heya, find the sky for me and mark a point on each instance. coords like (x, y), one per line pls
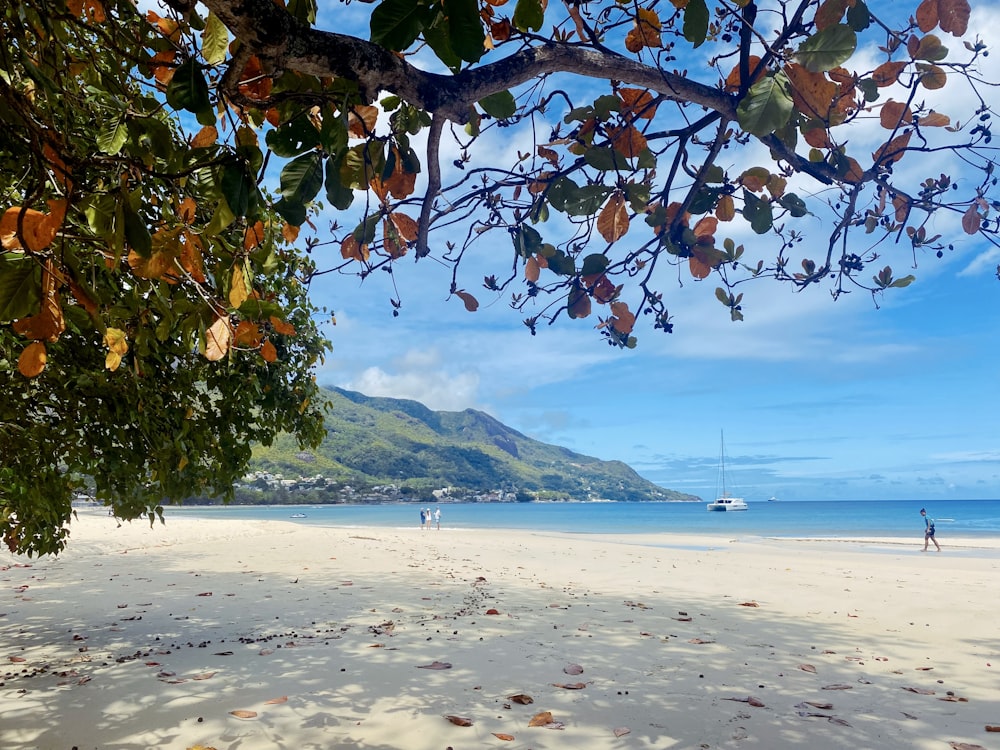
(853, 399)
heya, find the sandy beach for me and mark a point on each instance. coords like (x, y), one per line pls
(240, 635)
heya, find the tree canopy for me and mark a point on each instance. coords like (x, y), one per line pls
(172, 179)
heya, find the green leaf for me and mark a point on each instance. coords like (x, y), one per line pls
(465, 28)
(136, 232)
(214, 40)
(293, 137)
(859, 17)
(236, 186)
(396, 24)
(188, 89)
(561, 263)
(605, 159)
(758, 212)
(528, 15)
(500, 105)
(20, 286)
(828, 48)
(438, 39)
(527, 241)
(339, 195)
(303, 10)
(903, 282)
(696, 22)
(594, 264)
(302, 178)
(793, 204)
(766, 107)
(112, 136)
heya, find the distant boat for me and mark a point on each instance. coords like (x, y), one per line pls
(724, 502)
(772, 499)
(297, 515)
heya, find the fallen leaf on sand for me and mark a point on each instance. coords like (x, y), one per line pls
(435, 665)
(992, 728)
(838, 686)
(265, 652)
(201, 747)
(243, 714)
(807, 668)
(205, 593)
(919, 691)
(621, 731)
(204, 676)
(755, 702)
(541, 719)
(570, 686)
(749, 604)
(683, 619)
(953, 699)
(504, 737)
(966, 746)
(16, 659)
(924, 669)
(492, 611)
(699, 641)
(521, 698)
(573, 669)
(815, 704)
(460, 721)
(223, 653)
(276, 701)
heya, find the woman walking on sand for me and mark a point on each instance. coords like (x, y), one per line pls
(929, 530)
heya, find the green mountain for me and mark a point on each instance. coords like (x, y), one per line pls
(397, 446)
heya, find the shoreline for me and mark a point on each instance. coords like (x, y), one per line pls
(144, 637)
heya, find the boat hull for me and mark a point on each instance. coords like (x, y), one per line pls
(728, 504)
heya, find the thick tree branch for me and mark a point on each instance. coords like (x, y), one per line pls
(276, 36)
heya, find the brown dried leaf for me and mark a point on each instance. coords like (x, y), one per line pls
(521, 698)
(471, 303)
(243, 714)
(699, 641)
(204, 676)
(971, 220)
(32, 360)
(205, 137)
(807, 668)
(504, 737)
(573, 669)
(541, 719)
(965, 746)
(887, 73)
(818, 704)
(612, 222)
(838, 686)
(953, 16)
(894, 113)
(460, 721)
(935, 120)
(435, 665)
(749, 604)
(919, 691)
(953, 699)
(276, 701)
(621, 731)
(570, 685)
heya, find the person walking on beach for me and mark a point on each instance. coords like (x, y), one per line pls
(929, 531)
(437, 518)
(423, 519)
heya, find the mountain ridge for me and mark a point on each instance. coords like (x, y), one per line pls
(376, 440)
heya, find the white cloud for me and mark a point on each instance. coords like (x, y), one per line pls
(426, 382)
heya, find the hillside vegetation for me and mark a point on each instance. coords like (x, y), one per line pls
(404, 448)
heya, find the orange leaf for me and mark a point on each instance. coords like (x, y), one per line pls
(217, 339)
(894, 150)
(531, 270)
(953, 16)
(268, 352)
(276, 701)
(699, 269)
(894, 114)
(612, 222)
(570, 686)
(32, 359)
(733, 79)
(933, 78)
(351, 249)
(253, 236)
(813, 93)
(191, 256)
(163, 67)
(637, 103)
(504, 737)
(541, 719)
(36, 228)
(647, 24)
(290, 232)
(854, 172)
(706, 227)
(927, 15)
(829, 13)
(971, 220)
(238, 293)
(471, 303)
(459, 721)
(247, 334)
(628, 141)
(887, 73)
(725, 209)
(205, 137)
(407, 227)
(400, 183)
(624, 320)
(361, 120)
(255, 84)
(902, 205)
(935, 120)
(285, 329)
(187, 209)
(243, 714)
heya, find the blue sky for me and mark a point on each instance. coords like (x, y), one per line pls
(819, 399)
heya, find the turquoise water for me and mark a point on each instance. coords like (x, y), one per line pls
(840, 519)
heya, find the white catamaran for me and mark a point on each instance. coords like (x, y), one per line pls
(724, 502)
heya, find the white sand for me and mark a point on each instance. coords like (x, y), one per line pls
(149, 638)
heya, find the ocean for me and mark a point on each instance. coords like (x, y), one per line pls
(845, 519)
